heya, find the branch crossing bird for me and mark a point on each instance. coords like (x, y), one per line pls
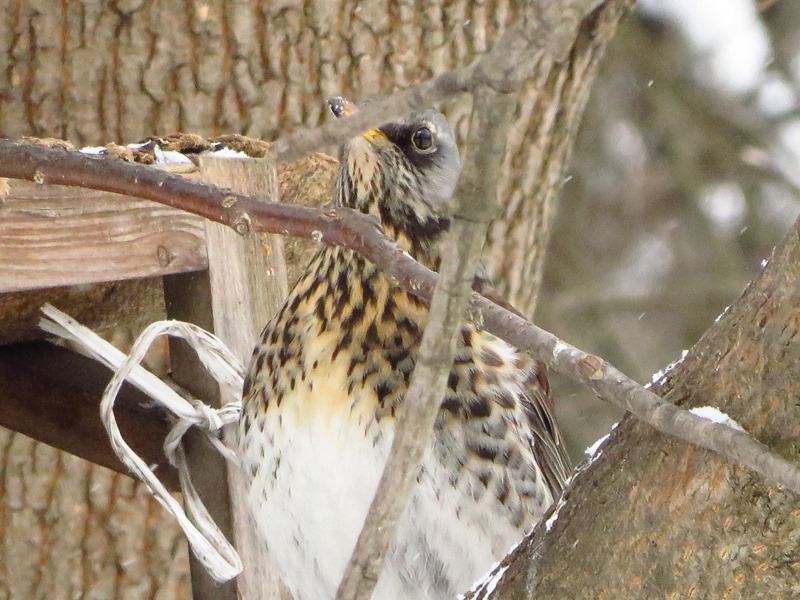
(327, 383)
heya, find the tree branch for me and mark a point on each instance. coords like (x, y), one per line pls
(362, 234)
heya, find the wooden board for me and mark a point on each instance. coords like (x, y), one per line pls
(243, 287)
(56, 236)
(51, 394)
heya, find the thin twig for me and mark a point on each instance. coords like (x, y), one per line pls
(362, 234)
(474, 208)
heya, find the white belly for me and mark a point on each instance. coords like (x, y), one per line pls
(312, 511)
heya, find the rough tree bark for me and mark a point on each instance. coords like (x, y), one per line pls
(657, 518)
(93, 73)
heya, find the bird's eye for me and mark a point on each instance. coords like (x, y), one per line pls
(423, 140)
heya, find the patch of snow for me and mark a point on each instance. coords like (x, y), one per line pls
(592, 450)
(723, 313)
(492, 583)
(227, 153)
(551, 520)
(169, 157)
(488, 582)
(659, 374)
(710, 413)
(93, 150)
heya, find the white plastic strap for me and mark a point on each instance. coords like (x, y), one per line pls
(205, 539)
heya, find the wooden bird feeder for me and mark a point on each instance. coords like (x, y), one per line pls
(116, 263)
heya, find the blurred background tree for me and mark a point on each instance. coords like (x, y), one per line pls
(680, 183)
(684, 176)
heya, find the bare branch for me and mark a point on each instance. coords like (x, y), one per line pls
(362, 234)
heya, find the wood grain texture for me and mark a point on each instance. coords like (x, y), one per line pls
(244, 285)
(55, 236)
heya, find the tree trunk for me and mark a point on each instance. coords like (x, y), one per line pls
(94, 73)
(654, 517)
(98, 72)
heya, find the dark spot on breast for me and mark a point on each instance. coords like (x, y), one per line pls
(382, 390)
(368, 292)
(484, 478)
(372, 337)
(484, 451)
(248, 384)
(505, 399)
(452, 404)
(283, 356)
(452, 380)
(479, 409)
(342, 284)
(389, 309)
(502, 490)
(396, 356)
(354, 318)
(462, 358)
(319, 309)
(259, 363)
(517, 517)
(294, 304)
(491, 358)
(406, 324)
(466, 337)
(341, 344)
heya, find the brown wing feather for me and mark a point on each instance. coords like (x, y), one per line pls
(548, 445)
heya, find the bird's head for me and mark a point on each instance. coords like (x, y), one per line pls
(404, 173)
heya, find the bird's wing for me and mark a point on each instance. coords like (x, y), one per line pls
(547, 442)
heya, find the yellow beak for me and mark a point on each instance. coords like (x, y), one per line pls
(375, 136)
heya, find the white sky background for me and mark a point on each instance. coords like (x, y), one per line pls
(734, 55)
(732, 45)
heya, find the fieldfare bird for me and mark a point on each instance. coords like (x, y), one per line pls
(328, 380)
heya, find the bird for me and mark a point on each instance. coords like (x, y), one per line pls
(328, 380)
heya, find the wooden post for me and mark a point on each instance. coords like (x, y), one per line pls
(243, 287)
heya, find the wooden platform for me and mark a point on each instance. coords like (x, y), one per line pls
(116, 264)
